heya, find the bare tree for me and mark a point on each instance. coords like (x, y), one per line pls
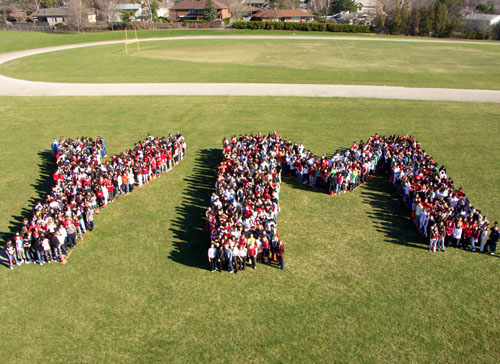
(237, 8)
(319, 6)
(78, 13)
(108, 10)
(151, 6)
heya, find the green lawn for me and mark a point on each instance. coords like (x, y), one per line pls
(15, 41)
(474, 66)
(359, 284)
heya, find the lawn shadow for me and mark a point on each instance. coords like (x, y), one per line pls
(389, 214)
(191, 238)
(43, 185)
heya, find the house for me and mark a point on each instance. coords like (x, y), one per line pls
(195, 9)
(368, 7)
(52, 16)
(285, 15)
(256, 3)
(12, 13)
(480, 22)
(163, 10)
(346, 17)
(135, 11)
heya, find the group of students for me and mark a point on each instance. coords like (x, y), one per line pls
(443, 214)
(84, 182)
(243, 210)
(246, 198)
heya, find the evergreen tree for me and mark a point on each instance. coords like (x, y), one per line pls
(396, 21)
(427, 21)
(440, 19)
(343, 5)
(405, 18)
(415, 20)
(210, 11)
(380, 22)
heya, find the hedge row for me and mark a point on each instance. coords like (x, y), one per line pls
(313, 27)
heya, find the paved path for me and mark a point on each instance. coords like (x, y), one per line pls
(15, 87)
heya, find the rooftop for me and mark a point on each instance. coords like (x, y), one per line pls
(196, 4)
(282, 13)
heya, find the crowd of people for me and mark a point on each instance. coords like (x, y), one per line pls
(85, 181)
(243, 210)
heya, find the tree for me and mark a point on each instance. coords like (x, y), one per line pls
(485, 9)
(210, 11)
(405, 18)
(415, 21)
(48, 3)
(380, 21)
(396, 20)
(343, 5)
(237, 8)
(108, 11)
(126, 16)
(78, 13)
(427, 21)
(319, 6)
(440, 19)
(152, 7)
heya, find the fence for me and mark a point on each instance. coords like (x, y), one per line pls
(34, 27)
(27, 27)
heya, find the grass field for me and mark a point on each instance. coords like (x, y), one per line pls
(474, 66)
(359, 286)
(15, 41)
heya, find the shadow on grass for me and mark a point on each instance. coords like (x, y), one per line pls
(191, 239)
(43, 185)
(389, 214)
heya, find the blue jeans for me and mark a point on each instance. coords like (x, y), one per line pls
(440, 244)
(281, 263)
(10, 260)
(28, 255)
(81, 222)
(338, 187)
(41, 256)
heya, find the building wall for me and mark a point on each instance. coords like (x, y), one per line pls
(286, 19)
(53, 20)
(223, 14)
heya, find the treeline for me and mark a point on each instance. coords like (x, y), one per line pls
(312, 27)
(441, 18)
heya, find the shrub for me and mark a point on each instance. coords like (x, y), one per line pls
(306, 27)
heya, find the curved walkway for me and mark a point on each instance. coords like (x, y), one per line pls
(15, 87)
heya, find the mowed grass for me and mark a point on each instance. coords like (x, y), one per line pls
(15, 41)
(359, 284)
(334, 61)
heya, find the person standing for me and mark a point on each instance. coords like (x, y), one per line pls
(265, 250)
(484, 233)
(229, 258)
(441, 236)
(89, 217)
(252, 251)
(54, 146)
(236, 257)
(220, 258)
(456, 235)
(9, 251)
(71, 231)
(493, 240)
(281, 255)
(212, 257)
